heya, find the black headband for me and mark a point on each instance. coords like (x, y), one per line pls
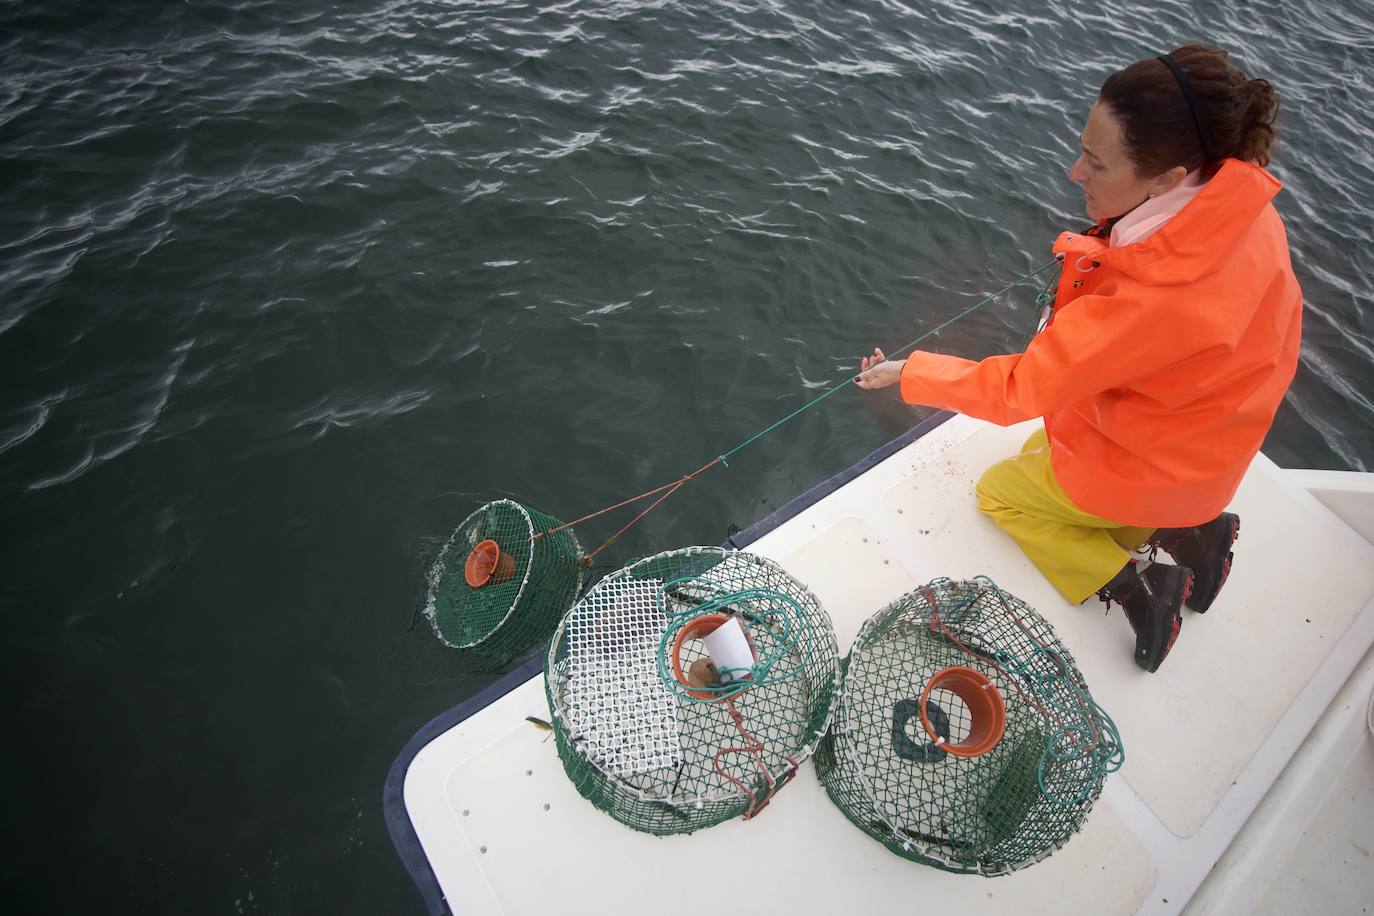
(1194, 106)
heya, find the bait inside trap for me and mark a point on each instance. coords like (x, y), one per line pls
(965, 736)
(687, 688)
(502, 581)
(711, 653)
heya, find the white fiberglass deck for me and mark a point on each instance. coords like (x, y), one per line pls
(1206, 737)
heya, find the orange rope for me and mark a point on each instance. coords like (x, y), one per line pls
(578, 521)
(652, 506)
(671, 487)
(755, 747)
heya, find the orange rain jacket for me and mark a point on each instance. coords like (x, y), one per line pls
(1163, 364)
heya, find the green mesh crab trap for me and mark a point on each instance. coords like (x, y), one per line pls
(686, 688)
(965, 737)
(503, 580)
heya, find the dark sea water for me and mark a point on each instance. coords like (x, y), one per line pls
(288, 289)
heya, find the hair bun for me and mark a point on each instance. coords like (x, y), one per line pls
(1157, 118)
(1257, 129)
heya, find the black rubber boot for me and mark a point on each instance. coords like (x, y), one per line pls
(1152, 601)
(1206, 550)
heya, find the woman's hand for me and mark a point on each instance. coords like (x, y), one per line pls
(877, 371)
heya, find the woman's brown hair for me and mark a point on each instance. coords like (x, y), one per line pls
(1157, 123)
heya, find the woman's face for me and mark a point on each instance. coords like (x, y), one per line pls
(1110, 184)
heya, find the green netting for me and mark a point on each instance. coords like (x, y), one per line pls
(665, 757)
(990, 814)
(520, 605)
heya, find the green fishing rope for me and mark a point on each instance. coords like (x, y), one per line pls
(1086, 731)
(910, 346)
(779, 613)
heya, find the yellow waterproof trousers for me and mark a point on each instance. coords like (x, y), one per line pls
(1079, 553)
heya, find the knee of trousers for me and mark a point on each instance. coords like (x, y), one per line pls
(990, 488)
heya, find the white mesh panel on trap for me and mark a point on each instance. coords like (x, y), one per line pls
(617, 703)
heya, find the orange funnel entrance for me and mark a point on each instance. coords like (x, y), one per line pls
(488, 564)
(987, 712)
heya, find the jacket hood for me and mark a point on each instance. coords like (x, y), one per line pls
(1202, 232)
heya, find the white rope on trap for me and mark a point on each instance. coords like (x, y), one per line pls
(618, 708)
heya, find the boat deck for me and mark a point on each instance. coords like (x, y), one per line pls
(1207, 738)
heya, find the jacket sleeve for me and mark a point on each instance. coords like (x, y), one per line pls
(1096, 343)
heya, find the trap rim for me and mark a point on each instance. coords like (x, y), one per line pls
(847, 718)
(524, 580)
(558, 711)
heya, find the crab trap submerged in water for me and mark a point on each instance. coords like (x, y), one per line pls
(965, 736)
(503, 580)
(686, 688)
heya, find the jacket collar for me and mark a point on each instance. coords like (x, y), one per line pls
(1187, 246)
(1148, 218)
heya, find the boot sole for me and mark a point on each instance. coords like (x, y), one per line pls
(1200, 602)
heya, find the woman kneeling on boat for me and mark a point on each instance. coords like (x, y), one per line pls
(1172, 340)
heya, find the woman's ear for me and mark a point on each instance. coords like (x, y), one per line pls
(1165, 182)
